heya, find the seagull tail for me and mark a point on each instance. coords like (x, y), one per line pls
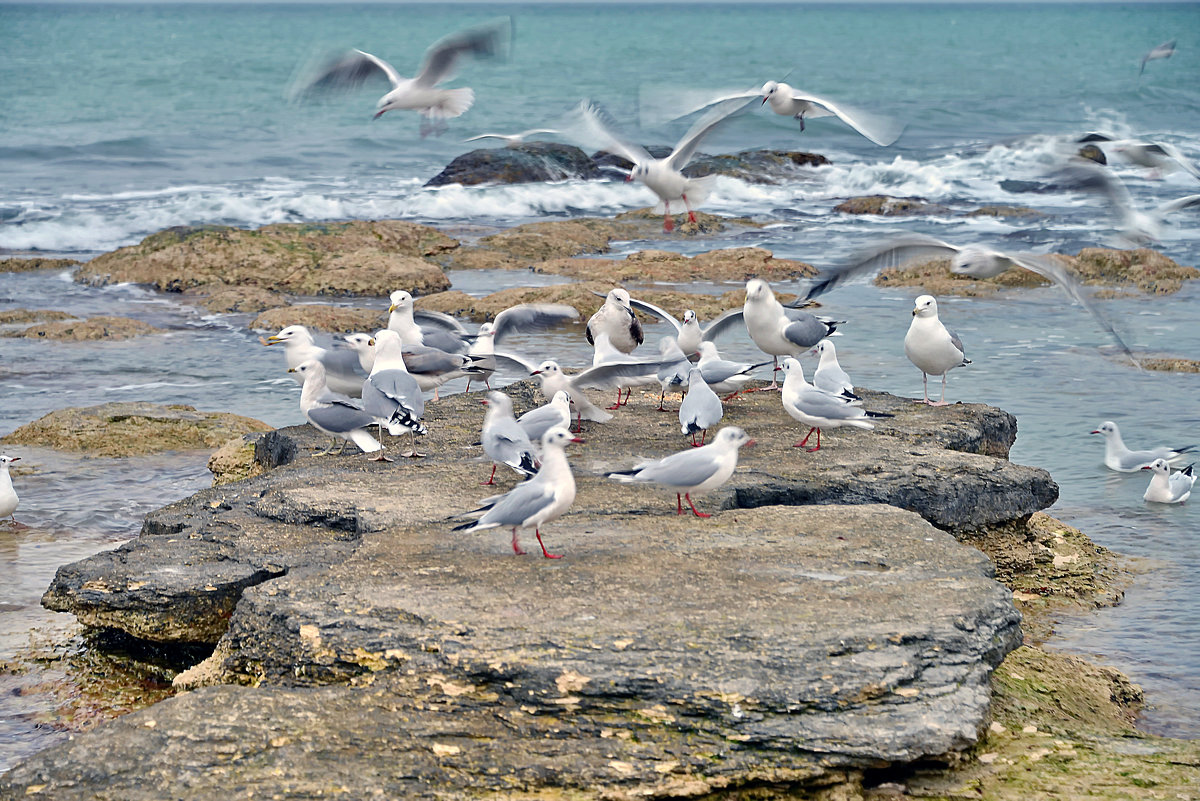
(527, 466)
(877, 414)
(364, 441)
(453, 103)
(624, 476)
(402, 420)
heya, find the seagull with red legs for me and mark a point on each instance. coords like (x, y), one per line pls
(533, 503)
(817, 408)
(701, 408)
(694, 470)
(504, 441)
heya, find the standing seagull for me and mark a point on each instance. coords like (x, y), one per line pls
(721, 374)
(663, 176)
(503, 440)
(420, 93)
(1120, 458)
(693, 470)
(343, 370)
(539, 500)
(339, 416)
(1166, 487)
(1164, 50)
(778, 330)
(817, 408)
(932, 347)
(8, 495)
(829, 374)
(701, 408)
(615, 317)
(390, 394)
(537, 422)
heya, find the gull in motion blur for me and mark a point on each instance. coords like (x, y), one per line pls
(1134, 225)
(1168, 487)
(1157, 156)
(1164, 50)
(512, 139)
(420, 93)
(663, 176)
(973, 261)
(932, 347)
(1117, 456)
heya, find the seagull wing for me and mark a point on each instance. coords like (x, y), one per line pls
(429, 317)
(513, 360)
(660, 313)
(592, 128)
(890, 253)
(721, 324)
(482, 41)
(688, 468)
(347, 72)
(719, 113)
(531, 317)
(880, 129)
(1181, 203)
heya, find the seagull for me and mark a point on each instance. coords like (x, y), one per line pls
(1164, 50)
(932, 347)
(674, 370)
(701, 408)
(8, 495)
(537, 422)
(973, 260)
(817, 408)
(539, 500)
(431, 367)
(1135, 226)
(512, 139)
(829, 374)
(615, 317)
(364, 346)
(503, 440)
(446, 333)
(524, 317)
(663, 176)
(337, 415)
(778, 330)
(723, 375)
(604, 353)
(1168, 487)
(1158, 156)
(390, 394)
(692, 470)
(343, 371)
(1120, 458)
(420, 93)
(688, 332)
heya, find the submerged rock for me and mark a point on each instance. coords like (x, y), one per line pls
(889, 206)
(132, 429)
(89, 330)
(525, 162)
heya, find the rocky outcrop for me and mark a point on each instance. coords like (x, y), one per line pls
(131, 429)
(731, 264)
(20, 265)
(889, 206)
(755, 166)
(13, 317)
(525, 162)
(338, 319)
(89, 330)
(351, 258)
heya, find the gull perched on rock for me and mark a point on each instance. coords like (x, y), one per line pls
(615, 317)
(8, 496)
(778, 330)
(343, 370)
(829, 374)
(390, 394)
(693, 470)
(420, 93)
(1168, 487)
(663, 176)
(503, 440)
(535, 502)
(537, 422)
(973, 261)
(817, 408)
(701, 408)
(723, 375)
(337, 415)
(931, 346)
(1120, 458)
(440, 331)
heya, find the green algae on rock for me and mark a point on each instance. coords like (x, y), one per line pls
(132, 429)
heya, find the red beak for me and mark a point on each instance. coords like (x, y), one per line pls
(1095, 432)
(577, 439)
(750, 444)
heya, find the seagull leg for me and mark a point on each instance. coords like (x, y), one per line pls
(517, 549)
(695, 511)
(731, 396)
(800, 117)
(678, 504)
(491, 479)
(412, 453)
(941, 402)
(668, 223)
(925, 385)
(616, 405)
(545, 553)
(380, 456)
(804, 441)
(814, 450)
(662, 396)
(703, 436)
(774, 380)
(686, 205)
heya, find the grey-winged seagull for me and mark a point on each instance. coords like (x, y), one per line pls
(701, 407)
(817, 408)
(931, 346)
(1117, 456)
(343, 371)
(1168, 487)
(8, 496)
(333, 413)
(503, 440)
(390, 394)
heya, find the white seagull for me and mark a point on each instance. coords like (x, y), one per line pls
(817, 408)
(537, 422)
(1120, 458)
(535, 502)
(503, 440)
(337, 415)
(343, 371)
(615, 317)
(724, 375)
(829, 374)
(688, 331)
(1164, 50)
(779, 330)
(8, 495)
(693, 470)
(791, 102)
(663, 176)
(701, 408)
(1168, 487)
(512, 139)
(932, 347)
(1134, 225)
(421, 93)
(390, 394)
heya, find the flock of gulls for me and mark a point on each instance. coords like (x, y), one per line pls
(381, 379)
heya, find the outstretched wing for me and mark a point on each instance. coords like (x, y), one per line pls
(723, 323)
(890, 253)
(344, 73)
(717, 114)
(531, 317)
(592, 128)
(483, 41)
(656, 311)
(880, 129)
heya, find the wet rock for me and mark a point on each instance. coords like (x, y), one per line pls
(525, 162)
(131, 429)
(756, 166)
(1170, 364)
(89, 330)
(889, 206)
(363, 258)
(26, 316)
(320, 317)
(224, 299)
(1092, 153)
(731, 264)
(235, 460)
(20, 265)
(1007, 212)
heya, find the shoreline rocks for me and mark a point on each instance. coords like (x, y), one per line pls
(89, 330)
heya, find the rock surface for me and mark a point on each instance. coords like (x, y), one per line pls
(89, 330)
(889, 206)
(351, 258)
(19, 265)
(131, 429)
(337, 319)
(525, 162)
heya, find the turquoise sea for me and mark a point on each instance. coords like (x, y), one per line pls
(119, 120)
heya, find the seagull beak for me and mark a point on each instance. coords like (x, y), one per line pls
(485, 402)
(291, 369)
(14, 458)
(391, 308)
(273, 340)
(750, 444)
(379, 113)
(371, 342)
(536, 372)
(577, 439)
(1095, 432)
(629, 178)
(1147, 467)
(915, 312)
(765, 99)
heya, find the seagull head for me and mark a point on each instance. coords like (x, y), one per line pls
(769, 88)
(823, 347)
(757, 289)
(1159, 466)
(293, 332)
(790, 367)
(620, 297)
(548, 367)
(310, 369)
(558, 437)
(400, 299)
(689, 316)
(1107, 428)
(925, 307)
(5, 459)
(732, 436)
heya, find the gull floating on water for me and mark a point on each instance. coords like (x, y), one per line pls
(1120, 458)
(8, 495)
(701, 408)
(932, 347)
(390, 394)
(663, 176)
(533, 503)
(694, 470)
(333, 413)
(344, 372)
(420, 93)
(1168, 487)
(1164, 50)
(503, 440)
(817, 408)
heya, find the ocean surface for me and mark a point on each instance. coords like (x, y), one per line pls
(117, 121)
